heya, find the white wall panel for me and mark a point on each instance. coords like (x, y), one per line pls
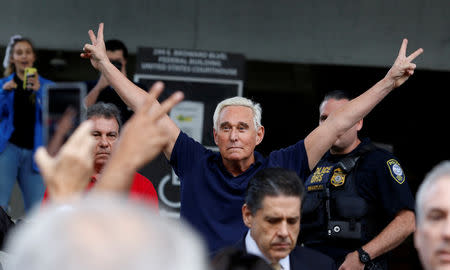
(344, 32)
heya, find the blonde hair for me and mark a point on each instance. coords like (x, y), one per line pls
(9, 67)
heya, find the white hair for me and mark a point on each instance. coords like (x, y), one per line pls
(439, 172)
(238, 101)
(102, 232)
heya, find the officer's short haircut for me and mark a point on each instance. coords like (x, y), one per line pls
(115, 45)
(105, 110)
(436, 174)
(338, 95)
(272, 182)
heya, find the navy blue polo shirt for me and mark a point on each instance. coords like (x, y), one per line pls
(211, 198)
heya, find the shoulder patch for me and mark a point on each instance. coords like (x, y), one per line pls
(396, 171)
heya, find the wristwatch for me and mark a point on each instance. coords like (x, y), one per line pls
(364, 257)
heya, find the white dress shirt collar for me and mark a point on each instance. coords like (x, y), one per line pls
(252, 248)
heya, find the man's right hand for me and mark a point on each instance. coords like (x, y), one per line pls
(96, 51)
(131, 94)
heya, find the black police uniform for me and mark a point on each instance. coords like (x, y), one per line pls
(351, 198)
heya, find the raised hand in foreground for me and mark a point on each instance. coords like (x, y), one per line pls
(142, 139)
(68, 173)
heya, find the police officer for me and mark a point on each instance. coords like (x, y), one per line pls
(358, 205)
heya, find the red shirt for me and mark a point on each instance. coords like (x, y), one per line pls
(141, 189)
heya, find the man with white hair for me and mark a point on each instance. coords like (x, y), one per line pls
(213, 184)
(432, 236)
(104, 232)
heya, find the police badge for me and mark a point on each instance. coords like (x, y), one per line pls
(396, 171)
(338, 178)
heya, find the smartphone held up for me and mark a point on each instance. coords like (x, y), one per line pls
(30, 72)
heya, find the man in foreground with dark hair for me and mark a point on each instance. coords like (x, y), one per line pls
(272, 213)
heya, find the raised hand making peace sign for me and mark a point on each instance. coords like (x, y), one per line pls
(96, 51)
(403, 67)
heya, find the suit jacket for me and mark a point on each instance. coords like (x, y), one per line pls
(303, 258)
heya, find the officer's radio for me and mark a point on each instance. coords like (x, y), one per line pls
(346, 222)
(344, 229)
(349, 226)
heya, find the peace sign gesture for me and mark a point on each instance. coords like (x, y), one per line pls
(402, 67)
(141, 140)
(96, 51)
